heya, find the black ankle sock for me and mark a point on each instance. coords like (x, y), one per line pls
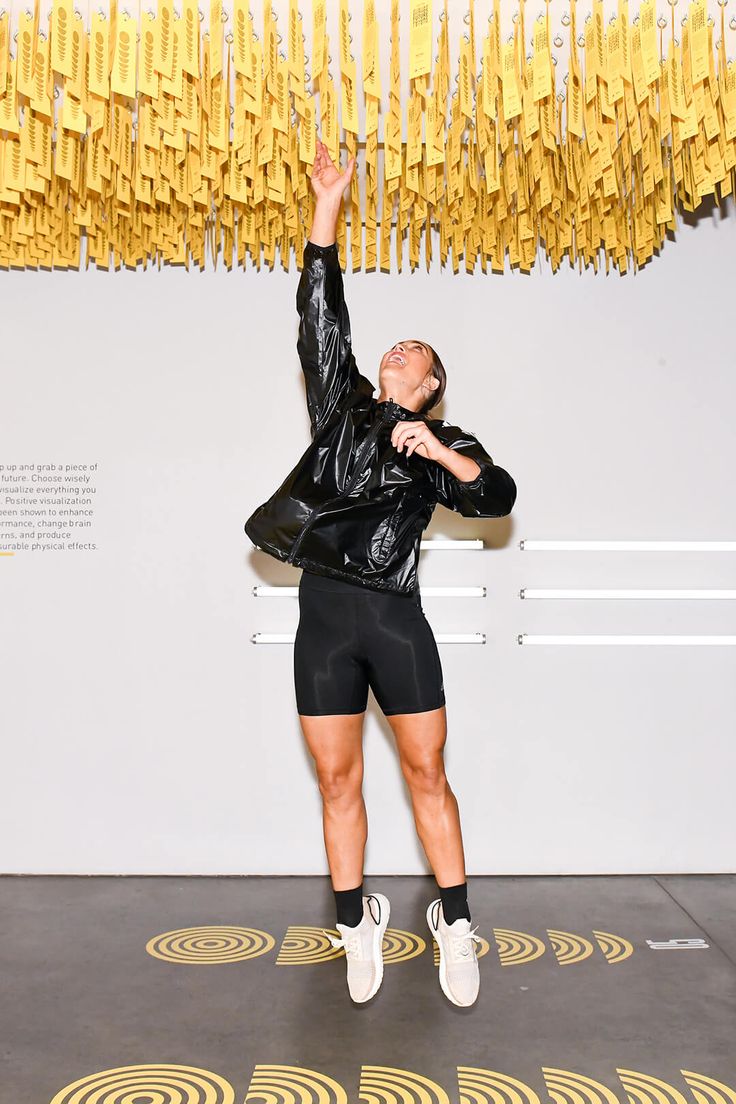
(455, 902)
(349, 904)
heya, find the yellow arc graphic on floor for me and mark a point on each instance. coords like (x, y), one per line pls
(307, 945)
(210, 945)
(286, 1084)
(163, 1083)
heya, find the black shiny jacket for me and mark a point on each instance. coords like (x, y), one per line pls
(354, 507)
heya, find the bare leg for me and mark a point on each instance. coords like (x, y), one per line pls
(336, 745)
(420, 739)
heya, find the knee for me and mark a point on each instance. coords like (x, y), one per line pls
(339, 786)
(426, 776)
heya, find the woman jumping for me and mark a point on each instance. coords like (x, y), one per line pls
(351, 515)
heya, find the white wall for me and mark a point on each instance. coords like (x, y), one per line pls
(144, 732)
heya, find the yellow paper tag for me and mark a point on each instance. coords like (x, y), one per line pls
(163, 56)
(420, 38)
(174, 85)
(542, 62)
(122, 77)
(615, 78)
(648, 34)
(698, 20)
(511, 98)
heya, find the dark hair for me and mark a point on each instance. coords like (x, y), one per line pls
(438, 371)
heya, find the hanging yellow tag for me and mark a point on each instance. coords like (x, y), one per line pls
(26, 50)
(62, 19)
(371, 72)
(420, 38)
(347, 62)
(615, 89)
(149, 79)
(319, 30)
(648, 33)
(511, 98)
(465, 77)
(698, 20)
(591, 62)
(122, 77)
(280, 101)
(73, 116)
(174, 85)
(414, 130)
(542, 63)
(41, 100)
(163, 54)
(99, 78)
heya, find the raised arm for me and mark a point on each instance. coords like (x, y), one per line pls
(324, 342)
(491, 494)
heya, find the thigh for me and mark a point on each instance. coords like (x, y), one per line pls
(420, 739)
(330, 678)
(404, 666)
(336, 745)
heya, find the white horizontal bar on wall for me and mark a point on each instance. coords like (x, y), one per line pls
(425, 592)
(616, 595)
(442, 544)
(441, 638)
(626, 546)
(526, 638)
(437, 544)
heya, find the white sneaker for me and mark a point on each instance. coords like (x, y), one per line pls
(364, 947)
(459, 973)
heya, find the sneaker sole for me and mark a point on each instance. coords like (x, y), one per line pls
(378, 935)
(442, 967)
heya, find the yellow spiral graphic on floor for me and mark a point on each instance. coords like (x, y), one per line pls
(707, 1090)
(569, 1087)
(643, 1088)
(614, 947)
(164, 1084)
(483, 1086)
(207, 946)
(387, 1085)
(303, 945)
(569, 947)
(481, 949)
(293, 1085)
(515, 947)
(400, 946)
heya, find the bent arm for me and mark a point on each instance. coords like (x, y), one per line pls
(491, 493)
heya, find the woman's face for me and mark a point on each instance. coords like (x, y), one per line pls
(404, 368)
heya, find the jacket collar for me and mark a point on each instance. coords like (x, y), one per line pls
(399, 411)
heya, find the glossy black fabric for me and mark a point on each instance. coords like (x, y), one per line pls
(350, 638)
(354, 507)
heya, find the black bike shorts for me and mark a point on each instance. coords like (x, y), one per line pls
(350, 637)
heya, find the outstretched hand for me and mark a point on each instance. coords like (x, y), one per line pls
(327, 180)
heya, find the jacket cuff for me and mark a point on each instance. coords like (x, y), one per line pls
(471, 483)
(319, 250)
(490, 494)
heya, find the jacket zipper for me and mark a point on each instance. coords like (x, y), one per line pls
(372, 434)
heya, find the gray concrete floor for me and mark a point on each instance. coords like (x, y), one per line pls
(83, 994)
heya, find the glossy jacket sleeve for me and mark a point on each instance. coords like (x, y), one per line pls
(491, 494)
(324, 343)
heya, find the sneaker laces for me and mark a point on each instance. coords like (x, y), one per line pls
(351, 943)
(461, 944)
